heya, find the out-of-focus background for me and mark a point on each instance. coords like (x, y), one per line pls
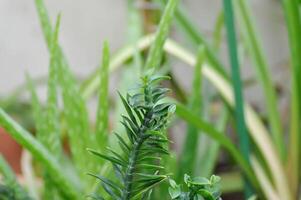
(86, 24)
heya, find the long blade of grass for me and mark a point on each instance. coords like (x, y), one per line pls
(102, 118)
(293, 22)
(25, 139)
(243, 136)
(190, 148)
(156, 50)
(263, 74)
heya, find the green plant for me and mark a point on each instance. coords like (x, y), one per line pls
(138, 167)
(198, 188)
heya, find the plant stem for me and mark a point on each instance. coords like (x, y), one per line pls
(130, 169)
(128, 180)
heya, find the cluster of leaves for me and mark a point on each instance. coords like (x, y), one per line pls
(199, 188)
(138, 166)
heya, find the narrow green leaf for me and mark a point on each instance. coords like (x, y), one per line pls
(102, 116)
(147, 186)
(52, 130)
(122, 142)
(45, 22)
(108, 182)
(263, 74)
(128, 109)
(109, 158)
(156, 50)
(244, 142)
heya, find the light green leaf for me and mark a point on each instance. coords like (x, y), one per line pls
(102, 116)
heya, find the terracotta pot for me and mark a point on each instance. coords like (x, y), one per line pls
(10, 150)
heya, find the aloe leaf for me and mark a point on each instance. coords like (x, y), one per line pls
(156, 50)
(39, 152)
(77, 122)
(50, 136)
(45, 22)
(190, 147)
(102, 116)
(52, 131)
